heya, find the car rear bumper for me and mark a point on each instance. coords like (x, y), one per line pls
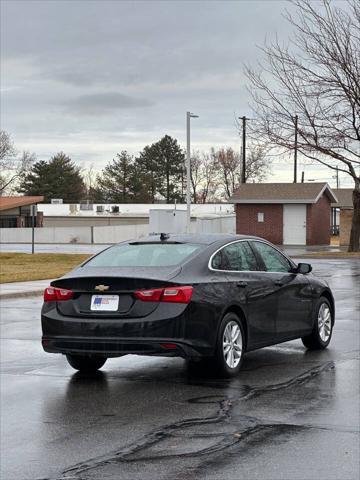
(164, 332)
(115, 347)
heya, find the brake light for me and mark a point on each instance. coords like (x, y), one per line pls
(177, 294)
(53, 294)
(149, 295)
(168, 295)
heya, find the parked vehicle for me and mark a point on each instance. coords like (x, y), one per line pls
(202, 297)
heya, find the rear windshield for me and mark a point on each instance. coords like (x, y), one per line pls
(143, 255)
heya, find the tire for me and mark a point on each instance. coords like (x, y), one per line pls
(230, 327)
(323, 326)
(85, 363)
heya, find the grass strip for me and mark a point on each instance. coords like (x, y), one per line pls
(22, 267)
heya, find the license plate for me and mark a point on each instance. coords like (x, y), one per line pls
(105, 303)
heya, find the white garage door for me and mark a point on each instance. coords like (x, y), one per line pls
(294, 219)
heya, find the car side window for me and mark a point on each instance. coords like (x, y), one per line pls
(273, 260)
(235, 257)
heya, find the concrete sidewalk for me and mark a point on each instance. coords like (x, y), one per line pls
(23, 289)
(298, 250)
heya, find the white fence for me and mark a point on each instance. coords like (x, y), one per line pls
(119, 233)
(107, 234)
(225, 224)
(46, 235)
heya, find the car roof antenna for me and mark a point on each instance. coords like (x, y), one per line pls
(164, 236)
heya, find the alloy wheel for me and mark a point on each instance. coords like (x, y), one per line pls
(232, 344)
(324, 322)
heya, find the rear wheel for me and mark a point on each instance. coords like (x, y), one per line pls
(230, 346)
(323, 324)
(85, 363)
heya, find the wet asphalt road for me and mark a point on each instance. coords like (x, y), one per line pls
(290, 414)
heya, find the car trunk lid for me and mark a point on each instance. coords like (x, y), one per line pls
(119, 282)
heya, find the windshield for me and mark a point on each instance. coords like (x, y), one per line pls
(143, 255)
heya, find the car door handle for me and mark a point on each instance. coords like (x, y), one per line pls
(242, 284)
(279, 283)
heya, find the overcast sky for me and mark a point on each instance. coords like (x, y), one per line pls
(92, 78)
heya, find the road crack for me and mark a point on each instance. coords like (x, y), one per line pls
(182, 439)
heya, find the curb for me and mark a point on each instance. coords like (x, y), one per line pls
(30, 293)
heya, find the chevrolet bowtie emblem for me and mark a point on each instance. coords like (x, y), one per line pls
(102, 288)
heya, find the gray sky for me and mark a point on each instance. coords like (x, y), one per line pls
(92, 78)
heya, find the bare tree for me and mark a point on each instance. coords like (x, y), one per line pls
(204, 176)
(315, 77)
(7, 149)
(93, 191)
(228, 164)
(89, 176)
(196, 174)
(257, 163)
(7, 155)
(13, 166)
(210, 183)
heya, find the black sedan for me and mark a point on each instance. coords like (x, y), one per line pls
(208, 298)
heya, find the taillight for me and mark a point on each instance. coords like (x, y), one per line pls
(149, 295)
(169, 295)
(177, 294)
(53, 294)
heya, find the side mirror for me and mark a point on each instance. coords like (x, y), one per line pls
(304, 268)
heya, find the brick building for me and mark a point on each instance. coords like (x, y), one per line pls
(285, 213)
(343, 210)
(17, 212)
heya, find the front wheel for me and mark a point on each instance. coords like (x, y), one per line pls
(323, 326)
(85, 363)
(230, 346)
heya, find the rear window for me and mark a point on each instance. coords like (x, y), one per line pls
(144, 255)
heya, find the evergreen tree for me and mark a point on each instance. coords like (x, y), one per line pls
(163, 162)
(147, 175)
(116, 180)
(172, 159)
(57, 178)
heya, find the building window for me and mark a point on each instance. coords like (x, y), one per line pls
(260, 217)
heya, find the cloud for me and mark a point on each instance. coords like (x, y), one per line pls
(96, 77)
(104, 103)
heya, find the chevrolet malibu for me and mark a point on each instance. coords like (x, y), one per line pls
(207, 298)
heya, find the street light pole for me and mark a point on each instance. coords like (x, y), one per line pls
(189, 115)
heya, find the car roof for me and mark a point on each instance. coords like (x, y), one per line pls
(202, 239)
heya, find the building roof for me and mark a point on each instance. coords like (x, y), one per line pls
(282, 193)
(140, 210)
(6, 203)
(344, 196)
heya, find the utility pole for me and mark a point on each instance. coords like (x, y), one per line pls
(337, 177)
(189, 115)
(296, 148)
(243, 167)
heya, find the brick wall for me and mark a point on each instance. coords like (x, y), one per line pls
(345, 225)
(318, 222)
(272, 227)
